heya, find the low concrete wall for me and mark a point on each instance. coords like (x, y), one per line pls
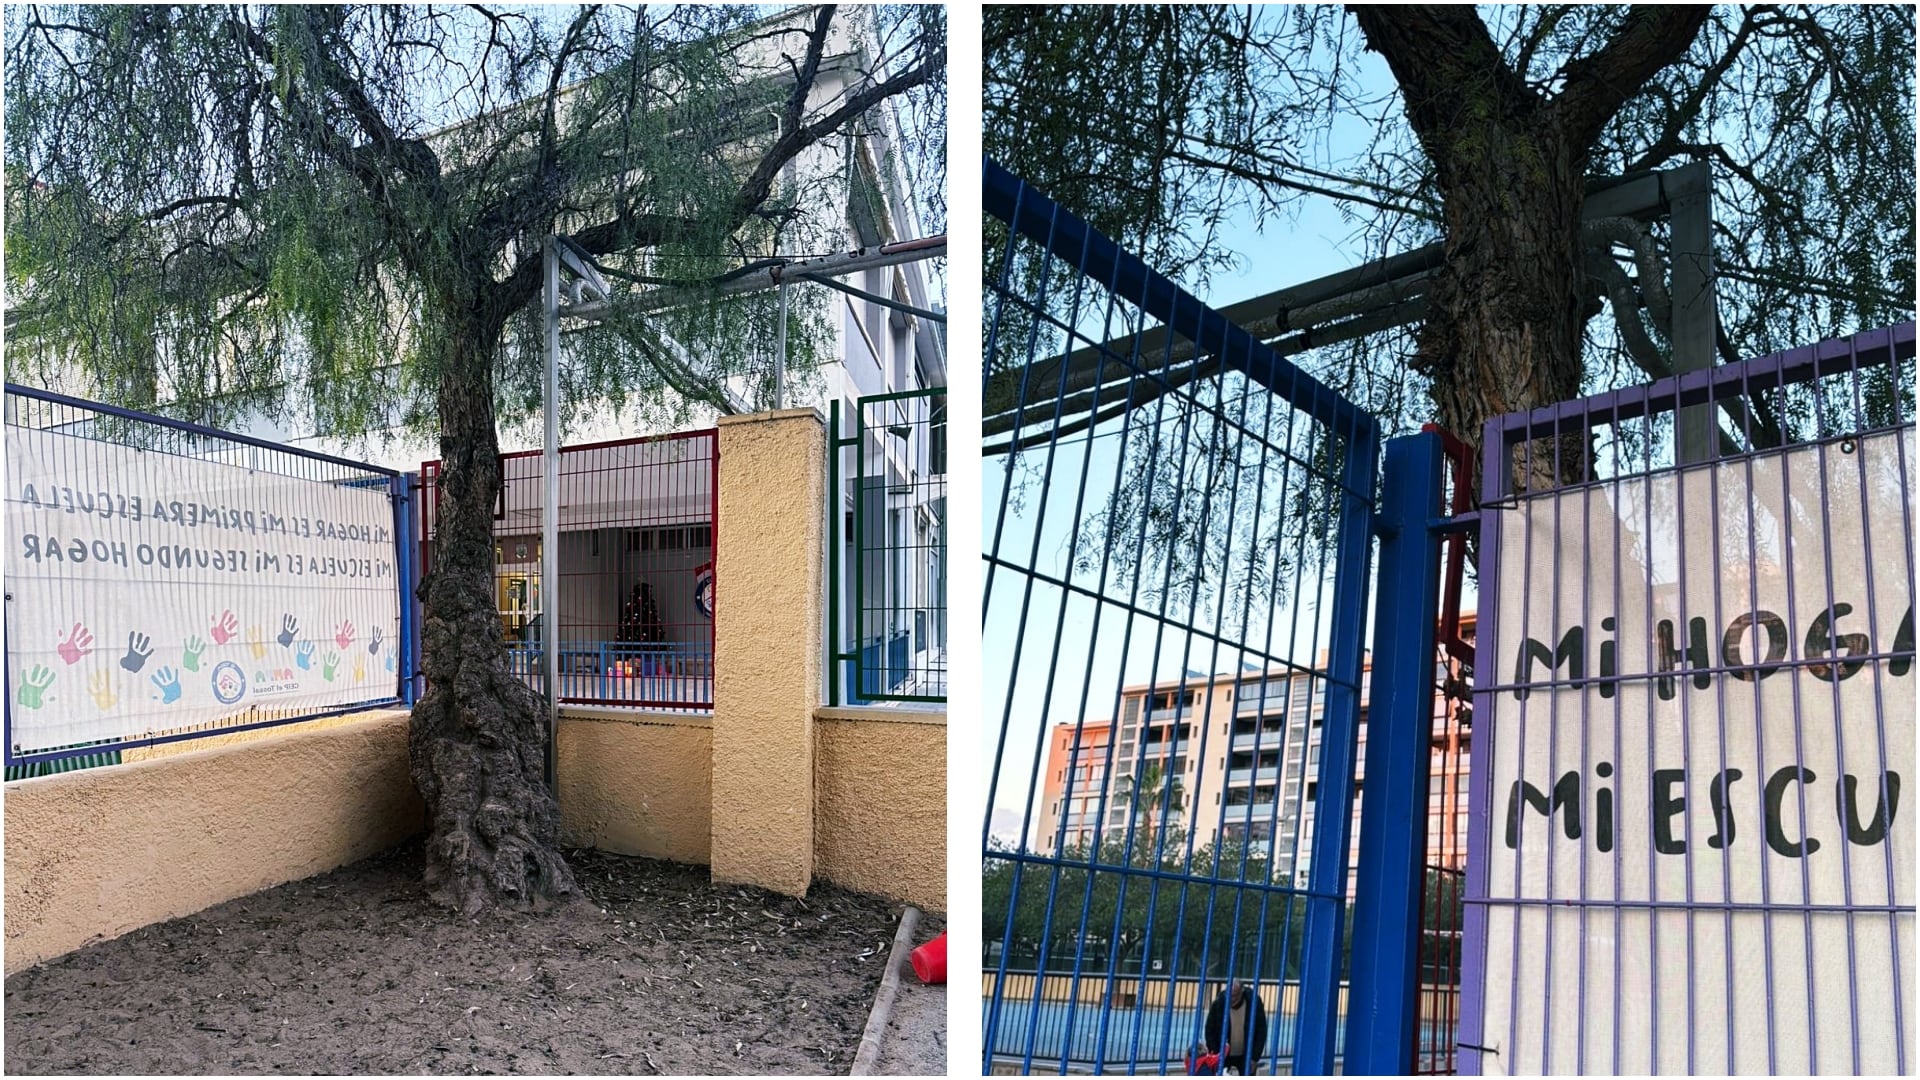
(99, 852)
(637, 783)
(880, 802)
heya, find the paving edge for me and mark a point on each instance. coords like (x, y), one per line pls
(869, 1052)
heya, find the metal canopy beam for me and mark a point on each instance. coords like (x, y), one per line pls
(1682, 192)
(1032, 214)
(770, 277)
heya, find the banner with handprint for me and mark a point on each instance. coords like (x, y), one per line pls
(151, 593)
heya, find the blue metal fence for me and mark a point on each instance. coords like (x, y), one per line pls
(1177, 545)
(1704, 670)
(101, 513)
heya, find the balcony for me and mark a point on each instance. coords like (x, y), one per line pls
(1262, 740)
(1250, 776)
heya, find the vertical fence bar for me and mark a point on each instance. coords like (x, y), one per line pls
(1383, 1003)
(1327, 873)
(712, 440)
(550, 520)
(1494, 482)
(402, 491)
(836, 539)
(857, 644)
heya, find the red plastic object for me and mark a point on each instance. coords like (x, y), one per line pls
(930, 961)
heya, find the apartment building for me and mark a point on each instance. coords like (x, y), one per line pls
(1236, 757)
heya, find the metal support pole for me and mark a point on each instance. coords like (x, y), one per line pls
(1383, 1014)
(550, 522)
(780, 354)
(1691, 190)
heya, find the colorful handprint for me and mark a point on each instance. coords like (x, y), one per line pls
(332, 665)
(101, 687)
(390, 662)
(78, 644)
(256, 644)
(224, 628)
(289, 626)
(139, 647)
(343, 634)
(168, 682)
(303, 656)
(190, 653)
(34, 686)
(359, 669)
(374, 645)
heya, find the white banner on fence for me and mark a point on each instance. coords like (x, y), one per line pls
(1696, 798)
(151, 593)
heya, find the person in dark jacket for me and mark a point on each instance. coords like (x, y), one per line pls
(1237, 1028)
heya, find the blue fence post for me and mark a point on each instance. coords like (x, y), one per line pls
(407, 571)
(1383, 999)
(1333, 813)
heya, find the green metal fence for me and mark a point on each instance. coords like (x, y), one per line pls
(887, 555)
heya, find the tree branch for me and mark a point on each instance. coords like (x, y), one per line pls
(809, 68)
(1686, 111)
(549, 122)
(1595, 86)
(759, 184)
(1440, 55)
(628, 229)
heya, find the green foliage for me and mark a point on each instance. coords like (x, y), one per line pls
(1161, 124)
(234, 210)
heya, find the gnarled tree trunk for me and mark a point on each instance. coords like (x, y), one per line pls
(1507, 312)
(1508, 308)
(478, 738)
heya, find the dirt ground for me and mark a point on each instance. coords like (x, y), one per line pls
(355, 972)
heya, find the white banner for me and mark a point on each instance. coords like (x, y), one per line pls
(150, 593)
(1681, 807)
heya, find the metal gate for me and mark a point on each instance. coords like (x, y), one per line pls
(1686, 850)
(1178, 543)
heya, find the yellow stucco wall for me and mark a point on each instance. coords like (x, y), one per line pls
(880, 803)
(99, 852)
(767, 647)
(637, 784)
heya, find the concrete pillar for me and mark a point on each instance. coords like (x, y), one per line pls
(767, 646)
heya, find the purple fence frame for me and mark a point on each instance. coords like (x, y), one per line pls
(401, 489)
(1881, 361)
